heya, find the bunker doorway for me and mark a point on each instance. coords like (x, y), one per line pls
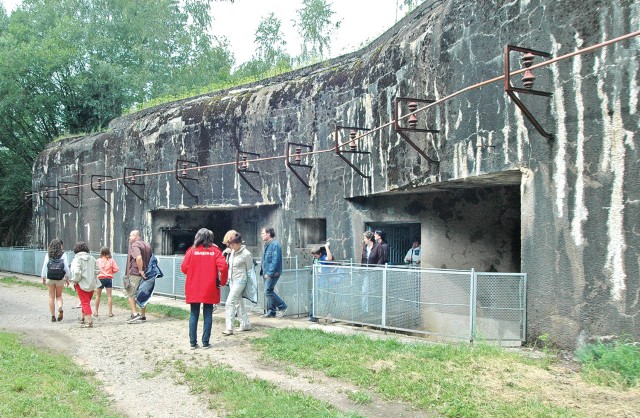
(399, 236)
(175, 230)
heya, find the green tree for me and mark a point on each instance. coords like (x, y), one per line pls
(270, 44)
(315, 24)
(70, 66)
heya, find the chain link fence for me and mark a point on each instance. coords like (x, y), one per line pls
(458, 304)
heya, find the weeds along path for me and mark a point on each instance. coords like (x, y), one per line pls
(137, 363)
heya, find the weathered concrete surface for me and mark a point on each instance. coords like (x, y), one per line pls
(502, 198)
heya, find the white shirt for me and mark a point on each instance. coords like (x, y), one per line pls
(413, 255)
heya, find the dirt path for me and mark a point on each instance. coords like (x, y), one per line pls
(135, 362)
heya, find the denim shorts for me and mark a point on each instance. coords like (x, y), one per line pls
(106, 284)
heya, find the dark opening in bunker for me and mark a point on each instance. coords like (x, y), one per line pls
(174, 230)
(399, 236)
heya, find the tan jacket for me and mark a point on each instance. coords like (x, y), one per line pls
(240, 263)
(84, 271)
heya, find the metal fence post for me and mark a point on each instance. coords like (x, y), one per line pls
(523, 337)
(384, 296)
(173, 276)
(472, 305)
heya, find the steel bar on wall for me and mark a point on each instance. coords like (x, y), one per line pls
(99, 181)
(130, 180)
(403, 131)
(528, 79)
(184, 166)
(242, 167)
(297, 161)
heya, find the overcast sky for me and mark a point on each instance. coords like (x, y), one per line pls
(362, 21)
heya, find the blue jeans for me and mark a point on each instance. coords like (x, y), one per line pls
(207, 312)
(274, 302)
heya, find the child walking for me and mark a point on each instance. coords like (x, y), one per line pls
(108, 268)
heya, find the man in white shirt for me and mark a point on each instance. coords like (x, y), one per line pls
(413, 255)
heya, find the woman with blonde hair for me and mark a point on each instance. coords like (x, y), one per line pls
(55, 274)
(240, 263)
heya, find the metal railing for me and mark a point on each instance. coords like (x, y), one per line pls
(458, 304)
(293, 285)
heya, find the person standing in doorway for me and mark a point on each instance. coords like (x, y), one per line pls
(321, 255)
(138, 258)
(380, 236)
(56, 276)
(413, 255)
(203, 265)
(108, 267)
(271, 271)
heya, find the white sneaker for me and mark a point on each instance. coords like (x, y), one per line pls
(242, 329)
(281, 313)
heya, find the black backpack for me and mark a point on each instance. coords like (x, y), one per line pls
(55, 269)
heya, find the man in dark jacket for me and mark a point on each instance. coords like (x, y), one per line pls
(271, 271)
(379, 235)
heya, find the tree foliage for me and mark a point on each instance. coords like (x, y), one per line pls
(70, 66)
(270, 43)
(315, 24)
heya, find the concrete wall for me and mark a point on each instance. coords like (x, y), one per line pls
(578, 192)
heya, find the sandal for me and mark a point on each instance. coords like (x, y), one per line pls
(95, 315)
(87, 325)
(60, 314)
(111, 315)
(53, 318)
(81, 320)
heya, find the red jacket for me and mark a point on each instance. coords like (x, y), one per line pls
(202, 267)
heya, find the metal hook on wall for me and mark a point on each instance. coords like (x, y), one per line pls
(131, 179)
(242, 166)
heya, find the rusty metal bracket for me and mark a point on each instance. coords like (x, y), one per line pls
(44, 194)
(98, 186)
(63, 192)
(182, 174)
(131, 180)
(353, 147)
(297, 162)
(412, 124)
(242, 166)
(527, 80)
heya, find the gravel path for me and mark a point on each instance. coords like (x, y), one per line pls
(135, 362)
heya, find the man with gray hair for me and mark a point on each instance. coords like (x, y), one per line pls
(138, 257)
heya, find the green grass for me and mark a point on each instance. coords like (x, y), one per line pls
(611, 364)
(119, 301)
(360, 397)
(235, 395)
(35, 383)
(442, 378)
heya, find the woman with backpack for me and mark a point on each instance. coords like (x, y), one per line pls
(55, 274)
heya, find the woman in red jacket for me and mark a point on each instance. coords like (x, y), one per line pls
(203, 265)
